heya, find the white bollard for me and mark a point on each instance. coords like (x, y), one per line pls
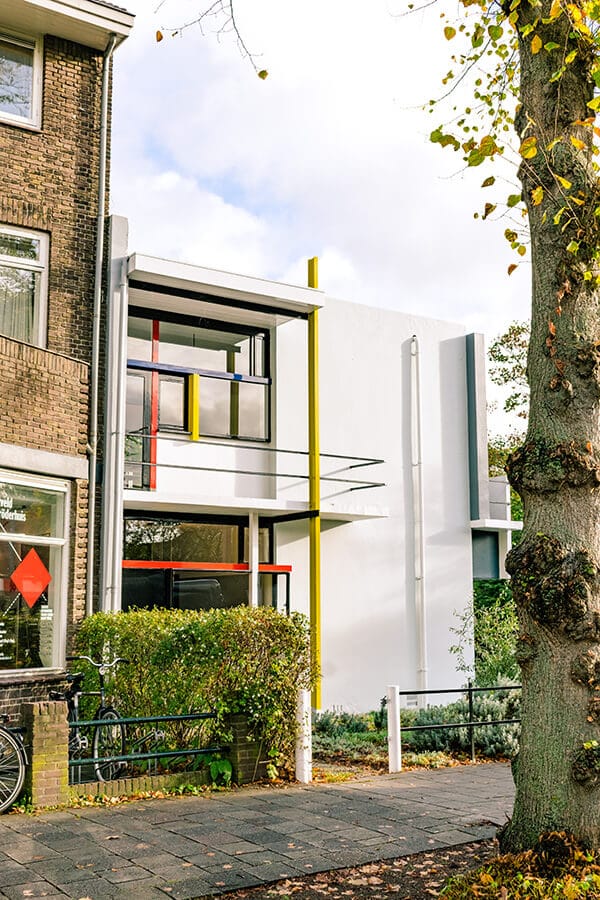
(304, 739)
(393, 723)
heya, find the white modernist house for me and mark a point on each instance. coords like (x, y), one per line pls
(237, 473)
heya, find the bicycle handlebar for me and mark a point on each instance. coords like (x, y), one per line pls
(99, 665)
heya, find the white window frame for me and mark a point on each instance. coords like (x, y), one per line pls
(33, 122)
(40, 266)
(59, 635)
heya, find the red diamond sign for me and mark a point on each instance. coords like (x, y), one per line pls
(31, 578)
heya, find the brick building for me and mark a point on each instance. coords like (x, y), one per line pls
(55, 60)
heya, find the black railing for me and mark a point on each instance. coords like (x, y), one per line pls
(471, 724)
(153, 742)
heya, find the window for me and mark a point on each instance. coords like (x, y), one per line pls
(20, 81)
(23, 285)
(33, 525)
(232, 363)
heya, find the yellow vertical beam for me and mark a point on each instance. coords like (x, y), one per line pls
(314, 482)
(194, 406)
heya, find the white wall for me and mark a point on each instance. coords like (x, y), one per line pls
(369, 623)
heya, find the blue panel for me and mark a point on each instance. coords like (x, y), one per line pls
(486, 556)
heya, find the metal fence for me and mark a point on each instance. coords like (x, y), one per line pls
(395, 727)
(147, 747)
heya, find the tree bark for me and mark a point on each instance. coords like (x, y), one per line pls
(555, 568)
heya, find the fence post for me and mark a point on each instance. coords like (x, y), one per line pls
(471, 728)
(304, 739)
(393, 726)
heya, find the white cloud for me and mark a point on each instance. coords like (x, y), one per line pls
(326, 157)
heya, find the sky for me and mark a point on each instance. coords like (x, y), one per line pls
(329, 156)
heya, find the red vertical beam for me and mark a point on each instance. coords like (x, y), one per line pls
(154, 388)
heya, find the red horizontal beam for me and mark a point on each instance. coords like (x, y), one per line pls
(201, 566)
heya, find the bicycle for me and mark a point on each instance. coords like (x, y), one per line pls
(107, 740)
(13, 763)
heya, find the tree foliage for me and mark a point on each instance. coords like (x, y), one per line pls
(508, 366)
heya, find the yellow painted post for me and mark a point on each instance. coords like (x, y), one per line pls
(194, 406)
(314, 482)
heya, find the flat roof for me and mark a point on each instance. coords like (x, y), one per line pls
(207, 292)
(87, 22)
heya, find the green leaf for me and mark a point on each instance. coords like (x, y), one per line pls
(488, 181)
(449, 32)
(495, 32)
(551, 45)
(573, 247)
(513, 200)
(528, 148)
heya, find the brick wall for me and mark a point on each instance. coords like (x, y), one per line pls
(50, 183)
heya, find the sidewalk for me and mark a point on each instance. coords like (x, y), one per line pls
(191, 847)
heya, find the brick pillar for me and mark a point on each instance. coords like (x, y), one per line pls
(248, 757)
(47, 779)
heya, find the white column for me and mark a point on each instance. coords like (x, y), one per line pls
(253, 557)
(393, 724)
(304, 739)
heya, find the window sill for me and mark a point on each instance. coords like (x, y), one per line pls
(15, 123)
(25, 676)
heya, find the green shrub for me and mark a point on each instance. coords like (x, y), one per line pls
(490, 741)
(223, 660)
(333, 722)
(493, 627)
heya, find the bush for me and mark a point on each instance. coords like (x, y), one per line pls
(223, 660)
(333, 723)
(491, 741)
(492, 625)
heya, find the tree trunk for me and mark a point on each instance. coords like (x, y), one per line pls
(554, 569)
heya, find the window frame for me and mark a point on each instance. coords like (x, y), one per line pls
(61, 578)
(34, 43)
(40, 316)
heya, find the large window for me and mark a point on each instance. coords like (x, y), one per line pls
(23, 284)
(191, 564)
(32, 575)
(229, 398)
(20, 81)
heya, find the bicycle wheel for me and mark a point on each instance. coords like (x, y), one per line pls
(108, 741)
(12, 769)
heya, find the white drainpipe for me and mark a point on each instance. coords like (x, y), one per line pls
(92, 447)
(418, 527)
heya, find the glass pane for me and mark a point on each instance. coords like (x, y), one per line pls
(259, 357)
(171, 541)
(144, 588)
(134, 427)
(16, 79)
(18, 293)
(139, 339)
(29, 510)
(204, 348)
(252, 410)
(19, 246)
(171, 403)
(215, 395)
(192, 590)
(27, 632)
(264, 550)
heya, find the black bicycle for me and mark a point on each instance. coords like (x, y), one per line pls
(108, 740)
(13, 763)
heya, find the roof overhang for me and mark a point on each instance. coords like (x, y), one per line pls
(210, 293)
(496, 525)
(86, 22)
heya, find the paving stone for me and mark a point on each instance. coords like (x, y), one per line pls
(127, 873)
(32, 889)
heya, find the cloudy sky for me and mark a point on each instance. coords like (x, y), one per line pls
(328, 156)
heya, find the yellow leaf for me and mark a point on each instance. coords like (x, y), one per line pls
(159, 37)
(555, 9)
(449, 32)
(263, 74)
(521, 250)
(528, 148)
(564, 182)
(537, 195)
(577, 143)
(536, 44)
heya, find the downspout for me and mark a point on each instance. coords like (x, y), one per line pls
(418, 525)
(118, 439)
(92, 447)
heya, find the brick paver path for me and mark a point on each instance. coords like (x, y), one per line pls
(191, 847)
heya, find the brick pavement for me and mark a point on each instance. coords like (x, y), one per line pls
(192, 847)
